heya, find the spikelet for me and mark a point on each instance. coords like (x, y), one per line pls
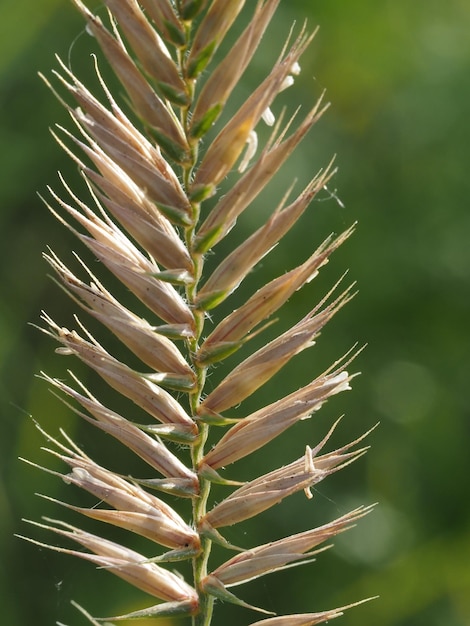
(147, 221)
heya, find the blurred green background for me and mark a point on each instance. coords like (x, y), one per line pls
(398, 76)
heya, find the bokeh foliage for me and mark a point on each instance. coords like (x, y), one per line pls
(397, 76)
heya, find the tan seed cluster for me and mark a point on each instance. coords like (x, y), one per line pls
(150, 161)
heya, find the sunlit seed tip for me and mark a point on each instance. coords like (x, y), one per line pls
(310, 469)
(287, 82)
(268, 117)
(64, 351)
(251, 147)
(80, 473)
(295, 69)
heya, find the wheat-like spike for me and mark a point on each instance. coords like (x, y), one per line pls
(145, 218)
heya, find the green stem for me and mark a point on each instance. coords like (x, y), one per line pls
(199, 504)
(199, 563)
(206, 602)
